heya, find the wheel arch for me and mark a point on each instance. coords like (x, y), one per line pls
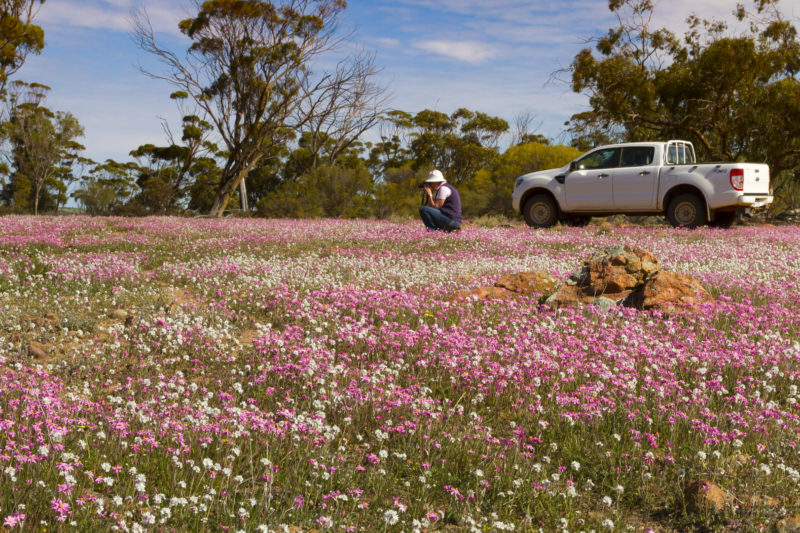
(685, 189)
(539, 190)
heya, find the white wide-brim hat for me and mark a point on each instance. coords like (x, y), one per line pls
(435, 177)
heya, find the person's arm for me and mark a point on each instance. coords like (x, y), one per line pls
(431, 201)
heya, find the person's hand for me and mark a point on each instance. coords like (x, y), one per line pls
(427, 188)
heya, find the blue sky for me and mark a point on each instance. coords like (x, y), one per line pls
(491, 56)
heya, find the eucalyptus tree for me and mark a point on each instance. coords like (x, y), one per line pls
(249, 69)
(735, 95)
(108, 186)
(334, 117)
(18, 35)
(168, 173)
(43, 146)
(458, 144)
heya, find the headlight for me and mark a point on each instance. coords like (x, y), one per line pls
(519, 182)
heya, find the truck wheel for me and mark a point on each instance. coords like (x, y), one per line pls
(540, 211)
(723, 220)
(686, 211)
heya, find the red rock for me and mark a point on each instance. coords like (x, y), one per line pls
(532, 282)
(613, 272)
(789, 525)
(619, 268)
(704, 496)
(118, 314)
(484, 293)
(37, 350)
(765, 501)
(670, 292)
(623, 275)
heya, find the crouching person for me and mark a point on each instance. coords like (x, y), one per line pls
(442, 208)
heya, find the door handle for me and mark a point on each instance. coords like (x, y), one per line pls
(603, 176)
(644, 172)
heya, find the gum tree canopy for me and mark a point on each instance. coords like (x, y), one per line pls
(734, 94)
(43, 144)
(248, 69)
(18, 36)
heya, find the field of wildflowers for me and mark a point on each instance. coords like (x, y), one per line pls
(169, 374)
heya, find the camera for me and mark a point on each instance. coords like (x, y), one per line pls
(423, 194)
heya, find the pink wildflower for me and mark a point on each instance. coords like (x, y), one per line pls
(299, 502)
(14, 520)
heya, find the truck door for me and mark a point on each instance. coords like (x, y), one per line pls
(635, 182)
(588, 187)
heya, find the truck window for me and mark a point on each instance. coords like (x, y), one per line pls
(680, 154)
(672, 154)
(637, 156)
(690, 157)
(607, 158)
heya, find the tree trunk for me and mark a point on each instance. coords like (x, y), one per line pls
(224, 194)
(37, 190)
(231, 178)
(220, 203)
(243, 196)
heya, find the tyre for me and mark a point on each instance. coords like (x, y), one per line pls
(686, 211)
(540, 211)
(577, 221)
(723, 219)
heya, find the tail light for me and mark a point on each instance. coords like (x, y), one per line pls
(737, 178)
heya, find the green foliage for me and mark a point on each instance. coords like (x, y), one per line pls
(108, 187)
(95, 197)
(398, 194)
(315, 150)
(169, 175)
(399, 162)
(327, 191)
(341, 192)
(489, 192)
(289, 200)
(458, 144)
(532, 157)
(786, 187)
(268, 175)
(247, 68)
(18, 36)
(156, 193)
(205, 184)
(43, 149)
(735, 96)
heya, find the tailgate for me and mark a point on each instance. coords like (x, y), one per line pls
(756, 178)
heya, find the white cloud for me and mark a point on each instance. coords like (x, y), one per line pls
(67, 13)
(387, 42)
(109, 14)
(473, 52)
(118, 115)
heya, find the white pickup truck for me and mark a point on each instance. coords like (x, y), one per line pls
(647, 178)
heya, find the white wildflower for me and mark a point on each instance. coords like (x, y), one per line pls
(391, 517)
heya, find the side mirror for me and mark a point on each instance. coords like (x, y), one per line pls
(573, 165)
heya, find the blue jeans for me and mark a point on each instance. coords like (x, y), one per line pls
(434, 220)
